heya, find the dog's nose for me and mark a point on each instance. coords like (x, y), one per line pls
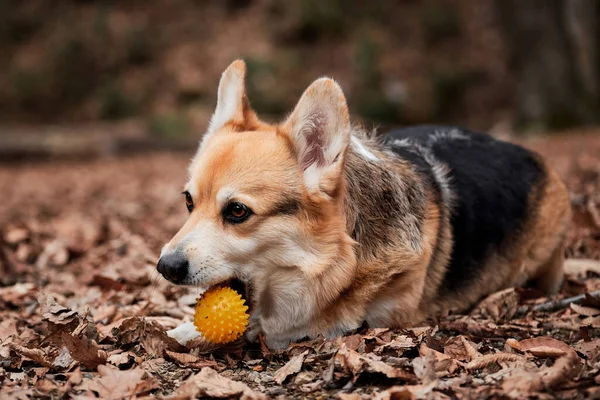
(173, 267)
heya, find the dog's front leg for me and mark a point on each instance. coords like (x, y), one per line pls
(254, 327)
(184, 333)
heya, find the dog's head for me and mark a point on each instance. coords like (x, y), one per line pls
(263, 197)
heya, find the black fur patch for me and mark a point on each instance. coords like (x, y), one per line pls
(492, 182)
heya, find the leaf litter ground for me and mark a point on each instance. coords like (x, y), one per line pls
(83, 314)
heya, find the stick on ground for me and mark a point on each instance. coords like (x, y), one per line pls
(555, 305)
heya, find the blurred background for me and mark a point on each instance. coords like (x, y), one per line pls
(102, 104)
(95, 77)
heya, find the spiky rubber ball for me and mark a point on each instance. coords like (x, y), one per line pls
(221, 315)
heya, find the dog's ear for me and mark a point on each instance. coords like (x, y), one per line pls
(232, 104)
(319, 128)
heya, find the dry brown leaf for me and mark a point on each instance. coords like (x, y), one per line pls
(151, 334)
(190, 360)
(523, 384)
(545, 347)
(356, 364)
(36, 355)
(514, 344)
(585, 311)
(460, 348)
(580, 267)
(63, 360)
(84, 350)
(16, 293)
(353, 341)
(443, 363)
(406, 392)
(55, 313)
(348, 396)
(8, 330)
(498, 306)
(425, 367)
(291, 367)
(591, 349)
(16, 235)
(115, 384)
(55, 254)
(209, 383)
(75, 377)
(400, 343)
(121, 360)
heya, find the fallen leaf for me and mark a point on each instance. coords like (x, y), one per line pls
(75, 377)
(291, 367)
(16, 293)
(209, 383)
(443, 363)
(406, 392)
(151, 334)
(498, 306)
(36, 355)
(353, 341)
(84, 350)
(55, 254)
(527, 382)
(401, 343)
(425, 367)
(190, 360)
(546, 347)
(585, 311)
(16, 235)
(460, 348)
(55, 313)
(348, 396)
(580, 267)
(8, 330)
(63, 360)
(115, 384)
(121, 360)
(591, 349)
(356, 364)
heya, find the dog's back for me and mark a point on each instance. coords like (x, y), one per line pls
(508, 211)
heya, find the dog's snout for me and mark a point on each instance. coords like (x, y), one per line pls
(173, 267)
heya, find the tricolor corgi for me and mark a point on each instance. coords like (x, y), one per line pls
(326, 228)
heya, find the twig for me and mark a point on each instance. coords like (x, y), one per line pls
(555, 305)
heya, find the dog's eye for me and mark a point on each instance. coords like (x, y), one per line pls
(236, 212)
(189, 202)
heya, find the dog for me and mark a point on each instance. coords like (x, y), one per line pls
(325, 228)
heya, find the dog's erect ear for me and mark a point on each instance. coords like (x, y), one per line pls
(319, 128)
(232, 103)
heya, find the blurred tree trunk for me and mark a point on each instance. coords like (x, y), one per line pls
(554, 48)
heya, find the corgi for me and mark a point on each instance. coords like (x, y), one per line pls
(325, 228)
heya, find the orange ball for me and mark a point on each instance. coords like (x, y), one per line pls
(221, 315)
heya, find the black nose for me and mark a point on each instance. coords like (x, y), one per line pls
(173, 266)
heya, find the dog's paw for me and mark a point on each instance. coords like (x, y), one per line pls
(184, 333)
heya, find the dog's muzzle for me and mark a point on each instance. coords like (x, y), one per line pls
(174, 267)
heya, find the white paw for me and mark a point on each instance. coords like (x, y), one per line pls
(184, 333)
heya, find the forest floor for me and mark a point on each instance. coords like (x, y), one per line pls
(83, 313)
